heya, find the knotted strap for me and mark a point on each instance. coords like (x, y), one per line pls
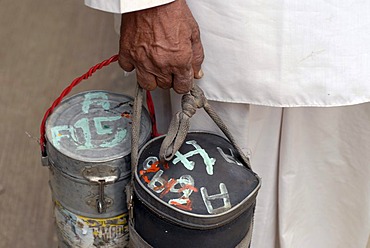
(177, 132)
(180, 124)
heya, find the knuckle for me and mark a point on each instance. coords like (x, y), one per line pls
(198, 58)
(147, 85)
(183, 87)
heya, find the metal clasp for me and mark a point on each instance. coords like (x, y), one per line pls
(45, 160)
(101, 175)
(130, 203)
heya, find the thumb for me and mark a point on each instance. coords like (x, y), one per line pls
(198, 53)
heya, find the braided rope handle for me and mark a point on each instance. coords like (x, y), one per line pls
(180, 124)
(74, 83)
(135, 135)
(176, 135)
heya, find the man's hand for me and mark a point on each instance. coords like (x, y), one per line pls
(163, 44)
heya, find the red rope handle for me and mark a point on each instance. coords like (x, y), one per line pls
(67, 90)
(150, 105)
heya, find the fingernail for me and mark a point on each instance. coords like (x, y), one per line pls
(200, 74)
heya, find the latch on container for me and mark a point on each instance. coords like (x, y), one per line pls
(45, 160)
(101, 175)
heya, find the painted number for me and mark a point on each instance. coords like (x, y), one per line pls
(229, 158)
(183, 158)
(183, 186)
(208, 199)
(101, 125)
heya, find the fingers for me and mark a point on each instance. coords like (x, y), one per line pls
(164, 81)
(125, 64)
(183, 81)
(198, 53)
(145, 79)
(197, 61)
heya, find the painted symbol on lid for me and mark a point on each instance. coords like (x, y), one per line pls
(179, 190)
(99, 124)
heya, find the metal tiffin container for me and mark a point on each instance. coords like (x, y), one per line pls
(88, 144)
(203, 197)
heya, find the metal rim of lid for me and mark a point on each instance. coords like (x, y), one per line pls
(144, 134)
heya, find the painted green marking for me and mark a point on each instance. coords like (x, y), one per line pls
(120, 135)
(84, 125)
(183, 158)
(60, 132)
(100, 123)
(100, 99)
(104, 129)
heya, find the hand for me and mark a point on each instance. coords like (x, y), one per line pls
(163, 44)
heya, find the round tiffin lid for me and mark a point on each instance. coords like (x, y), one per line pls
(95, 126)
(205, 178)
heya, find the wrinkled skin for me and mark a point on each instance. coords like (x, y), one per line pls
(163, 45)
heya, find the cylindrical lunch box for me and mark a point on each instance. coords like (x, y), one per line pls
(88, 146)
(203, 197)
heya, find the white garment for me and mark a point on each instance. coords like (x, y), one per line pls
(313, 161)
(285, 52)
(280, 53)
(124, 6)
(314, 164)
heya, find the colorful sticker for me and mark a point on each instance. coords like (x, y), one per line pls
(83, 232)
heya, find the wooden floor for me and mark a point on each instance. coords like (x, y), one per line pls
(44, 45)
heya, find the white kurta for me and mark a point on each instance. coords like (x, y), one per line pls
(123, 6)
(279, 52)
(313, 161)
(285, 52)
